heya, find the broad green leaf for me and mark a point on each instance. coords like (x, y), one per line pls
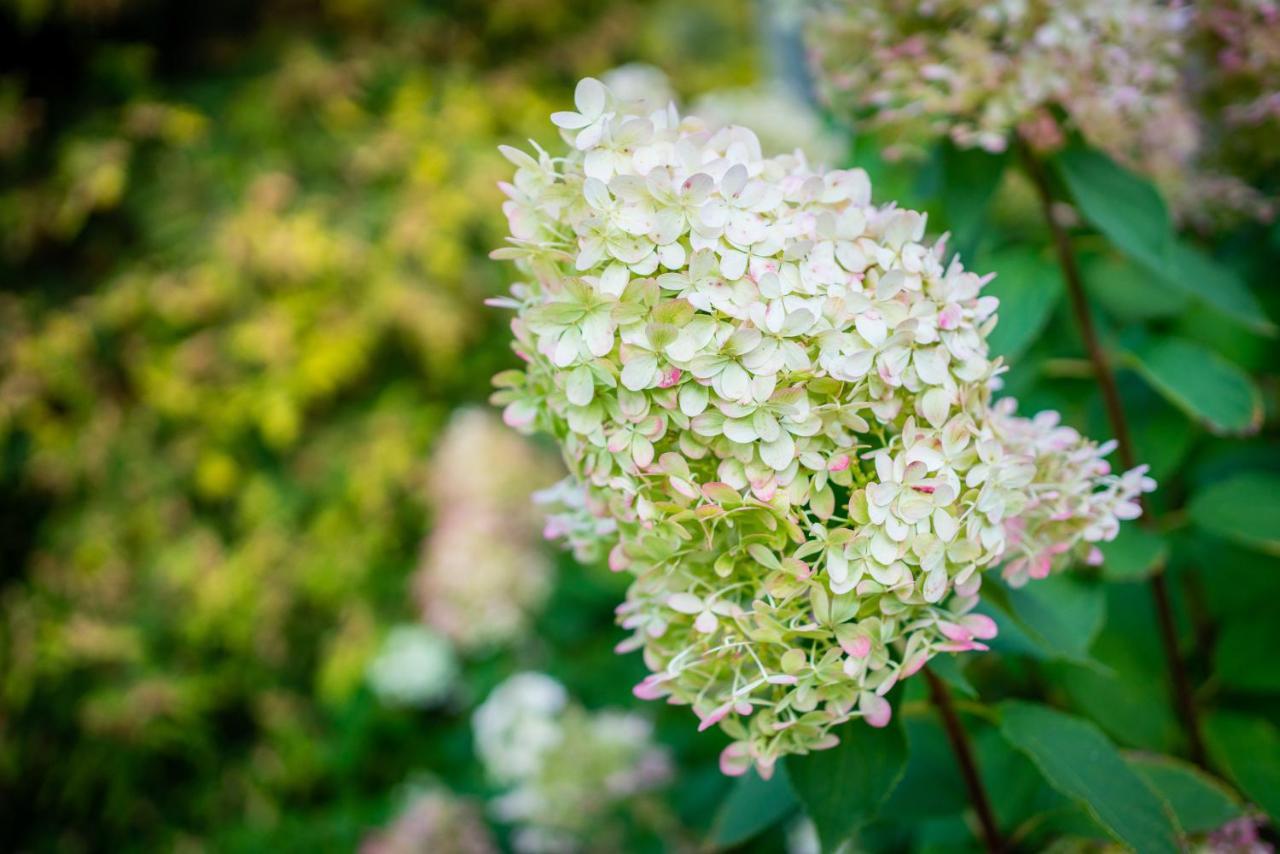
(947, 667)
(1200, 803)
(1016, 788)
(1133, 710)
(1079, 761)
(1245, 656)
(751, 807)
(1126, 692)
(1195, 273)
(1061, 614)
(1133, 554)
(929, 760)
(1248, 749)
(843, 788)
(1202, 384)
(969, 180)
(1125, 208)
(1029, 287)
(1129, 291)
(1244, 508)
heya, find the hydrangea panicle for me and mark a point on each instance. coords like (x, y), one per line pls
(563, 768)
(778, 399)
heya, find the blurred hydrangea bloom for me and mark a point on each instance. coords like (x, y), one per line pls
(781, 398)
(483, 571)
(433, 821)
(562, 766)
(1239, 836)
(1237, 85)
(978, 72)
(783, 121)
(414, 667)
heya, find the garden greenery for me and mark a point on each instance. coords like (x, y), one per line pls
(273, 574)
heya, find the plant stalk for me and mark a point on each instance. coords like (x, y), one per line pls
(1105, 376)
(941, 696)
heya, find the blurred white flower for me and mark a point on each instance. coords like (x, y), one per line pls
(783, 121)
(414, 667)
(562, 768)
(483, 571)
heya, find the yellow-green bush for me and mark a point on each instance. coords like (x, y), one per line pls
(238, 305)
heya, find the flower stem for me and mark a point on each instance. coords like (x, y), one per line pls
(941, 697)
(1111, 401)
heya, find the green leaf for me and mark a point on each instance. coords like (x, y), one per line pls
(1129, 291)
(1078, 760)
(1029, 288)
(751, 807)
(1200, 803)
(843, 788)
(1245, 656)
(930, 759)
(1216, 285)
(969, 180)
(1202, 384)
(947, 667)
(1244, 508)
(1132, 710)
(1061, 614)
(1134, 554)
(1248, 749)
(1125, 208)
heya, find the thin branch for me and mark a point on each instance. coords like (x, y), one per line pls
(941, 697)
(1106, 380)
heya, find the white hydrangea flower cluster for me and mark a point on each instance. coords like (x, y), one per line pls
(563, 767)
(483, 572)
(979, 71)
(414, 667)
(780, 398)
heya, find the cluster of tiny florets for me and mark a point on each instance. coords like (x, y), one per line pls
(483, 573)
(979, 72)
(562, 767)
(778, 400)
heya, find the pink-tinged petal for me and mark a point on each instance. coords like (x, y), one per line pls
(859, 647)
(1095, 557)
(735, 760)
(954, 631)
(618, 559)
(839, 463)
(783, 679)
(706, 622)
(980, 626)
(669, 377)
(876, 710)
(1040, 567)
(743, 707)
(650, 688)
(716, 715)
(912, 667)
(764, 767)
(519, 414)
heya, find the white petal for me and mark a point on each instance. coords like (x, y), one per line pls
(779, 453)
(590, 97)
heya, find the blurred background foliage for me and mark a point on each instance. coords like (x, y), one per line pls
(243, 256)
(243, 249)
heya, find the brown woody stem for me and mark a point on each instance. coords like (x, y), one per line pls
(1106, 380)
(941, 696)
